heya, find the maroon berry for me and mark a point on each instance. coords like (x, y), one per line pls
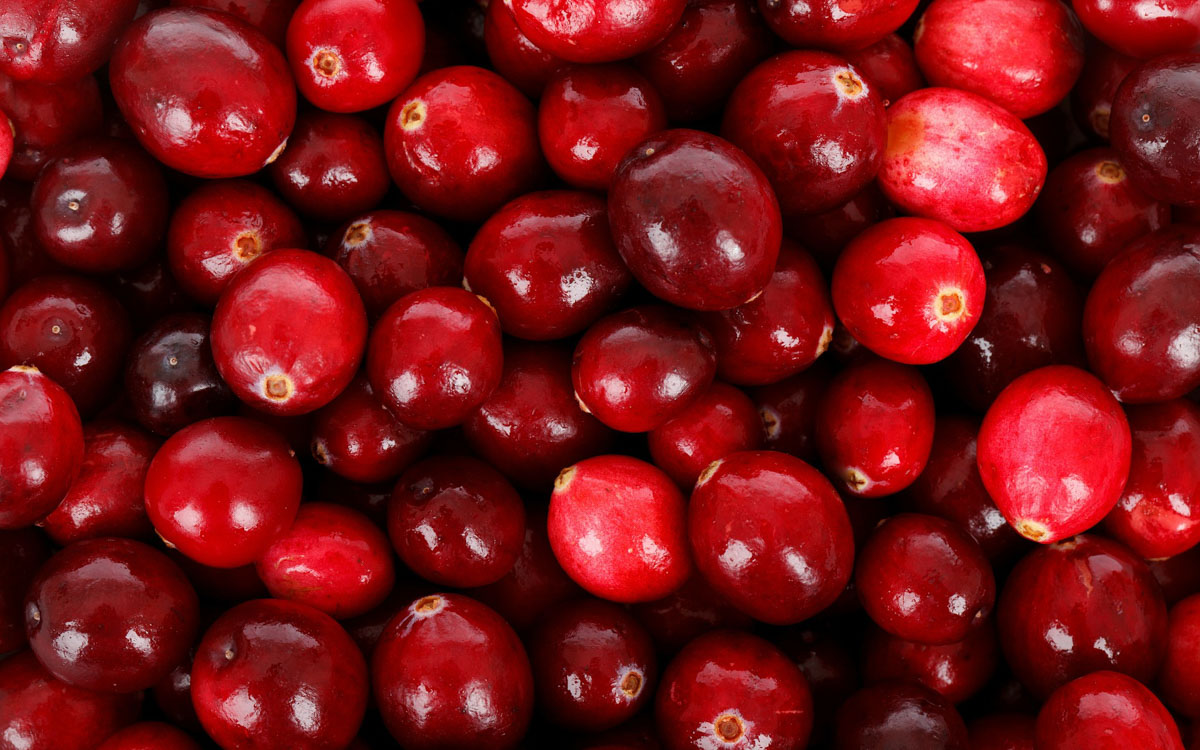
(1173, 27)
(592, 31)
(899, 715)
(357, 437)
(1105, 711)
(22, 553)
(52, 42)
(828, 23)
(45, 118)
(720, 422)
(956, 670)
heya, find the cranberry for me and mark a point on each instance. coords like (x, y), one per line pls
(695, 220)
(899, 715)
(22, 552)
(771, 535)
(814, 125)
(23, 258)
(225, 585)
(149, 292)
(47, 117)
(1105, 711)
(1173, 26)
(686, 613)
(222, 490)
(355, 436)
(788, 410)
(1092, 97)
(173, 695)
(891, 65)
(936, 166)
(41, 446)
(275, 672)
(1054, 452)
(522, 63)
(1004, 731)
(268, 16)
(720, 422)
(547, 262)
(956, 670)
(734, 689)
(56, 41)
(461, 142)
(592, 31)
(874, 427)
(1178, 682)
(1179, 575)
(828, 665)
(449, 672)
(149, 735)
(270, 359)
(618, 527)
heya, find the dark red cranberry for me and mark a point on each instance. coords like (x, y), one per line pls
(695, 220)
(593, 31)
(771, 535)
(1178, 576)
(1054, 452)
(732, 689)
(22, 552)
(547, 263)
(788, 411)
(721, 422)
(357, 437)
(899, 715)
(956, 670)
(1003, 731)
(268, 16)
(449, 672)
(826, 23)
(149, 735)
(461, 142)
(275, 672)
(686, 613)
(1105, 711)
(41, 446)
(24, 258)
(828, 664)
(173, 695)
(56, 41)
(150, 293)
(618, 527)
(522, 63)
(196, 116)
(45, 118)
(1171, 27)
(222, 490)
(1092, 97)
(891, 65)
(289, 333)
(1179, 681)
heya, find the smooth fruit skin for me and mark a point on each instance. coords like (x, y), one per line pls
(771, 535)
(52, 41)
(788, 411)
(956, 670)
(289, 333)
(1178, 681)
(936, 167)
(354, 55)
(891, 64)
(47, 117)
(271, 673)
(618, 527)
(356, 437)
(268, 16)
(521, 62)
(695, 220)
(594, 31)
(1105, 711)
(1173, 26)
(1082, 604)
(41, 446)
(162, 76)
(111, 615)
(222, 490)
(461, 142)
(1140, 316)
(22, 553)
(449, 672)
(793, 113)
(732, 689)
(149, 735)
(1054, 452)
(827, 24)
(722, 421)
(899, 715)
(1092, 98)
(687, 613)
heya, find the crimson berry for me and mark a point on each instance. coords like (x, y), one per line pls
(955, 670)
(1178, 681)
(357, 437)
(149, 735)
(788, 411)
(686, 613)
(268, 16)
(46, 118)
(522, 63)
(1173, 27)
(899, 714)
(720, 422)
(891, 65)
(1105, 711)
(1092, 98)
(826, 23)
(52, 42)
(592, 31)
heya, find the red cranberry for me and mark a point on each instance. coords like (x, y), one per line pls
(899, 715)
(288, 334)
(1054, 452)
(1083, 604)
(891, 65)
(173, 695)
(592, 31)
(47, 117)
(1173, 26)
(937, 166)
(618, 527)
(51, 42)
(1002, 732)
(1179, 575)
(1092, 97)
(547, 262)
(956, 670)
(814, 125)
(1178, 683)
(435, 356)
(874, 427)
(522, 63)
(23, 258)
(41, 446)
(826, 23)
(721, 422)
(686, 613)
(788, 410)
(222, 490)
(271, 672)
(357, 437)
(732, 689)
(695, 220)
(268, 16)
(22, 552)
(149, 735)
(461, 142)
(449, 672)
(353, 55)
(1105, 711)
(149, 292)
(771, 535)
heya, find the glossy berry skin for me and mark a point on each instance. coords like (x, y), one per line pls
(332, 558)
(788, 411)
(162, 74)
(1105, 711)
(149, 735)
(1173, 26)
(771, 535)
(461, 142)
(1138, 322)
(22, 553)
(687, 613)
(1054, 452)
(268, 16)
(354, 55)
(41, 446)
(7, 136)
(1177, 682)
(899, 715)
(289, 333)
(732, 689)
(936, 167)
(638, 368)
(450, 672)
(618, 527)
(521, 62)
(874, 427)
(695, 220)
(70, 328)
(1092, 98)
(721, 422)
(955, 670)
(594, 31)
(52, 42)
(827, 24)
(356, 437)
(456, 521)
(435, 356)
(46, 118)
(909, 289)
(1156, 515)
(44, 713)
(924, 579)
(546, 261)
(265, 658)
(221, 490)
(101, 206)
(891, 65)
(590, 117)
(1082, 604)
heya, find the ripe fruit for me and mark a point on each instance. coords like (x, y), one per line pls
(900, 715)
(56, 41)
(592, 31)
(721, 422)
(1105, 711)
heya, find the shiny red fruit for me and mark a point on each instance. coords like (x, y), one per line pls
(356, 437)
(1173, 26)
(838, 26)
(592, 31)
(1179, 680)
(899, 715)
(45, 118)
(522, 63)
(51, 41)
(1105, 711)
(891, 65)
(788, 411)
(149, 735)
(721, 422)
(1092, 97)
(956, 670)
(687, 613)
(268, 16)
(22, 553)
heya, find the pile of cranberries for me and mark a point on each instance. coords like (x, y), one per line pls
(600, 374)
